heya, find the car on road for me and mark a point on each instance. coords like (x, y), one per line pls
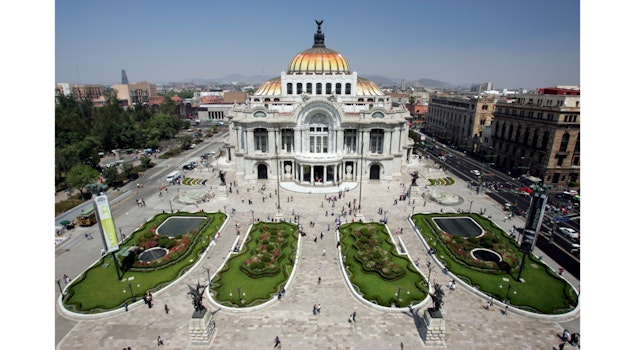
(569, 232)
(475, 172)
(189, 166)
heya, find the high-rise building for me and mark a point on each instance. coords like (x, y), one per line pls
(319, 124)
(124, 77)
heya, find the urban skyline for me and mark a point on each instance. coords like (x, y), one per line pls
(511, 45)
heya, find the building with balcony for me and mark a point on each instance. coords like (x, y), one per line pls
(538, 134)
(318, 124)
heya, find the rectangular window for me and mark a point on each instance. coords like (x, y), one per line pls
(350, 141)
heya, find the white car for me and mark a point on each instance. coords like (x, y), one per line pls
(569, 232)
(475, 172)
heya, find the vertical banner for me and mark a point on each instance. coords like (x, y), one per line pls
(533, 222)
(106, 223)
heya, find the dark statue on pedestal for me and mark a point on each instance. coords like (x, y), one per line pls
(415, 176)
(197, 298)
(437, 300)
(222, 178)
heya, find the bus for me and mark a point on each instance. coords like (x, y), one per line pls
(87, 217)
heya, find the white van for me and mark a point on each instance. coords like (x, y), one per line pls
(173, 176)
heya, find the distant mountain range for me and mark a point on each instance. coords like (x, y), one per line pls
(259, 79)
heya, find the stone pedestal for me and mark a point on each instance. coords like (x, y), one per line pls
(202, 327)
(434, 329)
(415, 192)
(223, 192)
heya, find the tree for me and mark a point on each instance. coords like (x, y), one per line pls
(127, 169)
(81, 175)
(110, 175)
(186, 141)
(145, 161)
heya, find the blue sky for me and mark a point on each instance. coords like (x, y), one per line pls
(512, 44)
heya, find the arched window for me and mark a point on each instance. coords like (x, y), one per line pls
(338, 88)
(348, 89)
(318, 134)
(298, 88)
(329, 88)
(318, 89)
(309, 88)
(289, 89)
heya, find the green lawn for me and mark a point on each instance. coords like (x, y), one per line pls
(98, 289)
(542, 291)
(261, 269)
(376, 270)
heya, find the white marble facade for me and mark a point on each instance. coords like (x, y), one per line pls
(319, 124)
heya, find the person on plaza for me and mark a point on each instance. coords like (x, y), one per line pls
(167, 309)
(354, 315)
(159, 341)
(566, 335)
(318, 308)
(323, 251)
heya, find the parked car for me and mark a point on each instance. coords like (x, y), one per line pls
(569, 232)
(475, 172)
(189, 166)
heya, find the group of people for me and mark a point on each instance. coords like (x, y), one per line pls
(317, 308)
(572, 339)
(148, 299)
(452, 285)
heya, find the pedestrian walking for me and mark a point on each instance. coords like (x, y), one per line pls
(350, 318)
(276, 342)
(319, 280)
(159, 341)
(167, 309)
(323, 251)
(566, 335)
(354, 315)
(321, 235)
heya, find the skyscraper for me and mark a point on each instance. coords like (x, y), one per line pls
(124, 77)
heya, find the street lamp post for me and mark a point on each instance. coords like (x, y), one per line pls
(208, 277)
(430, 267)
(132, 293)
(509, 287)
(471, 206)
(60, 287)
(252, 216)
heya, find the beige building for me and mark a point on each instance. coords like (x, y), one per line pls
(539, 135)
(81, 91)
(137, 93)
(460, 121)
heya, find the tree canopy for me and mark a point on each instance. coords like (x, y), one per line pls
(82, 130)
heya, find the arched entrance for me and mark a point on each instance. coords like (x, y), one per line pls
(374, 172)
(262, 171)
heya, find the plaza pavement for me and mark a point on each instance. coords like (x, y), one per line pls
(468, 324)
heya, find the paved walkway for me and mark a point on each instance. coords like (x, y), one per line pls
(468, 324)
